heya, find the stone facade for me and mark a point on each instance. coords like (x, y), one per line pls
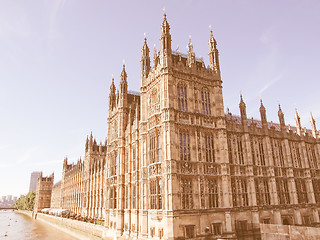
(176, 166)
(43, 192)
(56, 195)
(82, 182)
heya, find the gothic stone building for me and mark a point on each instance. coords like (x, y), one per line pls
(175, 164)
(43, 192)
(82, 183)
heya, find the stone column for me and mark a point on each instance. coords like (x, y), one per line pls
(297, 217)
(277, 217)
(315, 215)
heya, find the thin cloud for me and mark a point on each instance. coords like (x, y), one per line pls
(269, 84)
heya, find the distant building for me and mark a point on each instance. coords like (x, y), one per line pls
(43, 192)
(33, 181)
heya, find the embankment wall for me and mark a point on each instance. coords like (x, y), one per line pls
(78, 229)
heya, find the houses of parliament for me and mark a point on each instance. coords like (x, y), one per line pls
(175, 166)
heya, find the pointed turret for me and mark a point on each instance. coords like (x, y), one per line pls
(90, 143)
(213, 54)
(281, 118)
(123, 87)
(112, 95)
(65, 161)
(313, 126)
(165, 42)
(298, 123)
(145, 59)
(155, 57)
(87, 143)
(191, 57)
(243, 111)
(263, 115)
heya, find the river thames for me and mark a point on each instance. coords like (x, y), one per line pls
(15, 226)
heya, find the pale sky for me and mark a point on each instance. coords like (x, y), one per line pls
(57, 58)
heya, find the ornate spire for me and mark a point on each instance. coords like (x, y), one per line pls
(313, 126)
(281, 117)
(87, 142)
(123, 88)
(91, 138)
(191, 57)
(165, 42)
(112, 87)
(298, 123)
(243, 111)
(241, 104)
(165, 27)
(112, 95)
(263, 113)
(155, 57)
(213, 54)
(123, 75)
(145, 59)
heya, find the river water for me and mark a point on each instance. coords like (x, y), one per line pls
(21, 227)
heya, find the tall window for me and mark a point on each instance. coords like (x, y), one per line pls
(155, 194)
(155, 148)
(280, 151)
(252, 151)
(277, 152)
(209, 145)
(186, 193)
(262, 191)
(240, 150)
(283, 191)
(301, 190)
(158, 148)
(230, 149)
(213, 193)
(134, 197)
(311, 153)
(205, 99)
(261, 153)
(113, 197)
(133, 157)
(126, 162)
(235, 149)
(295, 154)
(182, 97)
(184, 145)
(239, 192)
(113, 165)
(316, 189)
(126, 196)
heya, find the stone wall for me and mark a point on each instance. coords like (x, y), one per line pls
(281, 232)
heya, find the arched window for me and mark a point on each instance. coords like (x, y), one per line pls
(155, 148)
(182, 97)
(184, 145)
(205, 99)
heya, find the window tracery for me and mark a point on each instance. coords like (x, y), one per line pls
(182, 97)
